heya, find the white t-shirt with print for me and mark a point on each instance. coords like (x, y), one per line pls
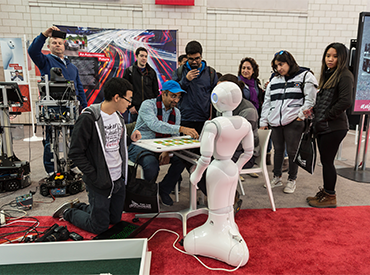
(113, 133)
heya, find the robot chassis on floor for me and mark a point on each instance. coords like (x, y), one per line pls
(58, 109)
(14, 173)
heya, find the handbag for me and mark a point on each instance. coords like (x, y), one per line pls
(141, 195)
(306, 153)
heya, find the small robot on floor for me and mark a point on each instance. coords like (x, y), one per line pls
(219, 237)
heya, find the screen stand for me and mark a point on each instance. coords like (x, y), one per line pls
(359, 173)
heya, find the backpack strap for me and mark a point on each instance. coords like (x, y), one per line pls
(212, 75)
(179, 72)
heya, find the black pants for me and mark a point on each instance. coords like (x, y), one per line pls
(289, 136)
(101, 211)
(328, 145)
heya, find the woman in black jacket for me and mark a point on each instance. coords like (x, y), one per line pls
(330, 120)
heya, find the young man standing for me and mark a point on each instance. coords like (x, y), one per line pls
(198, 80)
(144, 80)
(99, 150)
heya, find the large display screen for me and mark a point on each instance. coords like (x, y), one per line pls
(362, 66)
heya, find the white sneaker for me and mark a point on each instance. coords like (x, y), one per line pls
(276, 182)
(290, 186)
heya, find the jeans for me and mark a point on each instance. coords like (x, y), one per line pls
(101, 211)
(286, 136)
(150, 165)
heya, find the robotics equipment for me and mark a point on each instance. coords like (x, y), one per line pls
(14, 173)
(58, 109)
(219, 236)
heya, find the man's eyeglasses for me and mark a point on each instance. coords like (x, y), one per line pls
(128, 100)
(194, 59)
(174, 96)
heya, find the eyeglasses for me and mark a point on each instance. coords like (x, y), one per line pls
(280, 53)
(174, 96)
(128, 100)
(194, 59)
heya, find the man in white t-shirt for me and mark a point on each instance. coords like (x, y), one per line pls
(99, 149)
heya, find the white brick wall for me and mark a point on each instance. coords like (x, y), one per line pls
(226, 35)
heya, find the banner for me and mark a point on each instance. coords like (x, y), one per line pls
(13, 60)
(100, 54)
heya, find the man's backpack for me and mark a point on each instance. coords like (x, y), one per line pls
(212, 73)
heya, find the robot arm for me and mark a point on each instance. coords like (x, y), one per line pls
(206, 150)
(248, 147)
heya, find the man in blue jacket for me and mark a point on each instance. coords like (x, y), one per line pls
(45, 62)
(198, 80)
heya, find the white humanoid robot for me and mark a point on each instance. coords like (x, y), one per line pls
(219, 237)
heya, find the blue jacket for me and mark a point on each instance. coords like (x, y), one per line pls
(46, 62)
(195, 103)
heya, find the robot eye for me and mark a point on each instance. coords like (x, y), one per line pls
(214, 98)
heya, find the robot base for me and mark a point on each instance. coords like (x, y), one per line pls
(61, 184)
(14, 175)
(218, 238)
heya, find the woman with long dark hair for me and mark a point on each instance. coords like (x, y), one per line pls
(330, 120)
(290, 92)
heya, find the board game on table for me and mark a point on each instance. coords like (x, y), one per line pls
(159, 145)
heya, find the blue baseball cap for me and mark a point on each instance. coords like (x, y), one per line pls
(172, 86)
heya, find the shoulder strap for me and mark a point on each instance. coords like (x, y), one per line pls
(212, 74)
(179, 72)
(303, 82)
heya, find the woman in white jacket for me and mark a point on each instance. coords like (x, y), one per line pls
(290, 92)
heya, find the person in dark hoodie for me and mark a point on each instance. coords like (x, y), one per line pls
(56, 59)
(99, 149)
(143, 79)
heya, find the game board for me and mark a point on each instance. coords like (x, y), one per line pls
(159, 145)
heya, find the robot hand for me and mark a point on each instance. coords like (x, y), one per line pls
(194, 179)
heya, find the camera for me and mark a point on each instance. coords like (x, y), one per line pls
(59, 234)
(58, 34)
(54, 233)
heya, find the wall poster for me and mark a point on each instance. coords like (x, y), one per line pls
(101, 54)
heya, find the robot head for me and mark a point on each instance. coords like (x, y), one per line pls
(226, 96)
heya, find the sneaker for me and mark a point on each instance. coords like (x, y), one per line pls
(276, 182)
(67, 205)
(165, 199)
(253, 175)
(290, 186)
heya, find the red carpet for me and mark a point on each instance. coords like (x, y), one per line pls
(288, 241)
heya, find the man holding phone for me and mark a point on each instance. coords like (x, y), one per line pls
(198, 80)
(55, 59)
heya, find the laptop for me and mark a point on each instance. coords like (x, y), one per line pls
(124, 230)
